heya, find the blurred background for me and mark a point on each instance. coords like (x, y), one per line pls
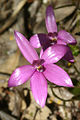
(28, 17)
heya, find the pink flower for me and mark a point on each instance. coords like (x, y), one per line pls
(45, 40)
(40, 69)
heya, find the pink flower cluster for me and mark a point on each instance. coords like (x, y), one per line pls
(53, 48)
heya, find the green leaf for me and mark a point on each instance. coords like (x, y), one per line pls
(75, 50)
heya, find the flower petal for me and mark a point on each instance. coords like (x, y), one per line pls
(57, 75)
(34, 41)
(50, 20)
(61, 42)
(41, 52)
(68, 56)
(21, 75)
(54, 53)
(66, 37)
(39, 88)
(40, 40)
(27, 50)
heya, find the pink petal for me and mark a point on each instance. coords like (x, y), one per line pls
(39, 88)
(40, 40)
(27, 50)
(41, 52)
(50, 20)
(54, 53)
(66, 37)
(57, 75)
(68, 56)
(61, 42)
(21, 75)
(34, 41)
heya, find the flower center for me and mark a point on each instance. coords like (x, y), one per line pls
(38, 64)
(40, 68)
(53, 37)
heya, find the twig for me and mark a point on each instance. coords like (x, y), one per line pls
(13, 16)
(74, 22)
(75, 17)
(66, 5)
(3, 73)
(76, 69)
(37, 109)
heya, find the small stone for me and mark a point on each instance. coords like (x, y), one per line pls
(71, 70)
(23, 105)
(78, 78)
(77, 63)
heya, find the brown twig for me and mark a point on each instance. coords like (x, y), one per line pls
(13, 17)
(37, 109)
(75, 17)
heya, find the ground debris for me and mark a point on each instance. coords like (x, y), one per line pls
(18, 103)
(5, 116)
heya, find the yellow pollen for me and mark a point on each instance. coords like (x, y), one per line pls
(59, 102)
(69, 64)
(39, 67)
(54, 39)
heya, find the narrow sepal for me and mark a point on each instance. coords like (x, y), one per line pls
(66, 37)
(54, 53)
(39, 88)
(57, 75)
(20, 75)
(27, 50)
(50, 20)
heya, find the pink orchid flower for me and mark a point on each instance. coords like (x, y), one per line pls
(40, 69)
(53, 36)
